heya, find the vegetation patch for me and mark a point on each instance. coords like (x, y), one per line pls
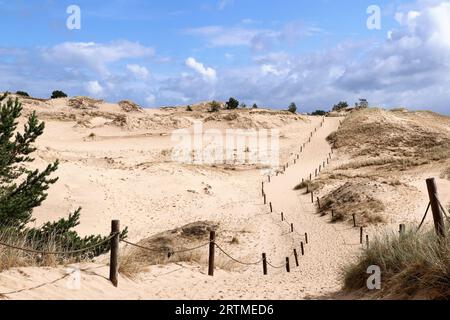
(353, 198)
(414, 265)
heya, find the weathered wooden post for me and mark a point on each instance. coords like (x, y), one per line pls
(306, 238)
(292, 227)
(212, 247)
(282, 216)
(114, 254)
(271, 209)
(354, 220)
(265, 199)
(318, 202)
(288, 268)
(296, 257)
(312, 196)
(264, 261)
(302, 247)
(367, 241)
(435, 208)
(262, 188)
(361, 234)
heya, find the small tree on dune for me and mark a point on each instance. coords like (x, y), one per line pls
(232, 104)
(292, 108)
(58, 94)
(340, 106)
(23, 189)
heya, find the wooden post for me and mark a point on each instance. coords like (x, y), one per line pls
(316, 172)
(318, 202)
(435, 208)
(320, 168)
(367, 240)
(328, 161)
(262, 188)
(306, 238)
(324, 164)
(292, 227)
(282, 216)
(271, 209)
(288, 268)
(312, 196)
(264, 261)
(269, 178)
(114, 254)
(361, 233)
(212, 247)
(296, 257)
(310, 177)
(332, 214)
(265, 199)
(303, 248)
(354, 220)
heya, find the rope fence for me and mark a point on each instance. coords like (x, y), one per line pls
(114, 238)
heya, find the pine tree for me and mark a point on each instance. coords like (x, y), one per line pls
(22, 189)
(292, 108)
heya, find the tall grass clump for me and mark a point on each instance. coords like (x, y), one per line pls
(413, 265)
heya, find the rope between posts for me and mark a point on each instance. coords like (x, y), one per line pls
(234, 259)
(168, 251)
(275, 267)
(425, 216)
(57, 252)
(443, 209)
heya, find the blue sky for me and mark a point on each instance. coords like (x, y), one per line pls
(157, 53)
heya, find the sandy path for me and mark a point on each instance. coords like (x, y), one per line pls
(329, 247)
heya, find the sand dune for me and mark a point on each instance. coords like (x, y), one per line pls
(118, 165)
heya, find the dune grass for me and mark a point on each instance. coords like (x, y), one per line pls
(414, 265)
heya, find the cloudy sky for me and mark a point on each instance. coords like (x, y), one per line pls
(312, 52)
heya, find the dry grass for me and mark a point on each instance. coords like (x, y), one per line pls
(395, 140)
(414, 265)
(446, 174)
(353, 198)
(13, 258)
(130, 266)
(135, 260)
(308, 186)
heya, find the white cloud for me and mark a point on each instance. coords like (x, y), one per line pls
(138, 71)
(94, 88)
(256, 38)
(207, 73)
(150, 99)
(93, 55)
